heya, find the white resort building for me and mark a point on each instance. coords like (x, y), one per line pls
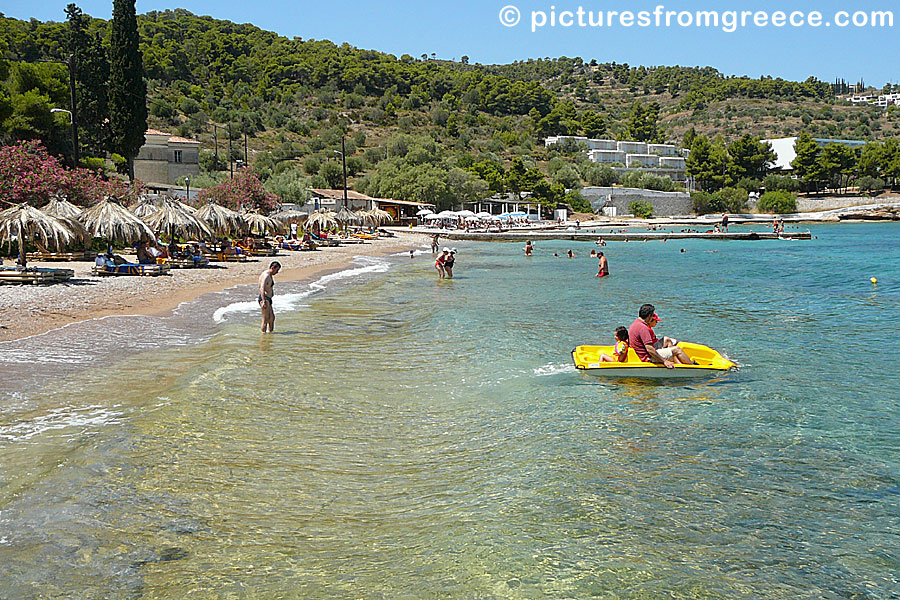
(659, 159)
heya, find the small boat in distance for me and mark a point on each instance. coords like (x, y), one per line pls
(709, 362)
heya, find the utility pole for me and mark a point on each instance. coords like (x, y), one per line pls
(245, 149)
(216, 142)
(344, 160)
(230, 165)
(75, 153)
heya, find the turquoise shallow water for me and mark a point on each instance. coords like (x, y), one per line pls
(402, 437)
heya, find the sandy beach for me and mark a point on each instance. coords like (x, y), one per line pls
(27, 310)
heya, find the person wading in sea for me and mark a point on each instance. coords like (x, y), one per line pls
(603, 266)
(266, 293)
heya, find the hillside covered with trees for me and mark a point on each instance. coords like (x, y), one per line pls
(415, 127)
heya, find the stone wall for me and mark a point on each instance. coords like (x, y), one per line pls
(833, 202)
(665, 204)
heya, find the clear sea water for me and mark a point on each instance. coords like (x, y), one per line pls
(404, 437)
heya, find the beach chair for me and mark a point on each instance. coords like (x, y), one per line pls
(321, 241)
(184, 263)
(261, 251)
(223, 257)
(89, 255)
(296, 245)
(34, 276)
(131, 269)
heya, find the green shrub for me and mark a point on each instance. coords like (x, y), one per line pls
(779, 202)
(641, 209)
(630, 179)
(749, 184)
(601, 175)
(578, 202)
(701, 201)
(647, 181)
(869, 185)
(94, 163)
(775, 183)
(731, 200)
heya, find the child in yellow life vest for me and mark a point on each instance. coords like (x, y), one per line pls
(620, 350)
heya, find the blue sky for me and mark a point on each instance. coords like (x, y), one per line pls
(473, 28)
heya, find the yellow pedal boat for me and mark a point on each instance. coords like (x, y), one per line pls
(709, 362)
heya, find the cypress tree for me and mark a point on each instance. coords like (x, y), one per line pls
(127, 88)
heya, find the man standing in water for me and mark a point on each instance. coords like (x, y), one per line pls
(603, 267)
(266, 293)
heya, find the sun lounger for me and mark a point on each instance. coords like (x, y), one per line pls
(131, 269)
(325, 241)
(264, 251)
(223, 257)
(36, 276)
(297, 246)
(184, 263)
(61, 256)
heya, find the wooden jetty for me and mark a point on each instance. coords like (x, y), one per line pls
(631, 236)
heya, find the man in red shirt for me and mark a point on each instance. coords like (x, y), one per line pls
(650, 349)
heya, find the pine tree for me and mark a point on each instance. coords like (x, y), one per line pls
(706, 163)
(127, 88)
(688, 139)
(642, 122)
(593, 124)
(92, 76)
(805, 164)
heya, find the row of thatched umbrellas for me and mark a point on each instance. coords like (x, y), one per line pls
(60, 223)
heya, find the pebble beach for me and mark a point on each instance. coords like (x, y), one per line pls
(27, 310)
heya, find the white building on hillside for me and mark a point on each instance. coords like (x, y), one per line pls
(658, 159)
(882, 100)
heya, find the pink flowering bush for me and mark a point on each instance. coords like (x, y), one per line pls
(244, 192)
(28, 173)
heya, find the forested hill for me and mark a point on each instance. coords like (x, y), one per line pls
(294, 97)
(240, 72)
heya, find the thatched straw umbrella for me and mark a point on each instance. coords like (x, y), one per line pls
(286, 216)
(347, 217)
(381, 216)
(366, 218)
(143, 209)
(258, 224)
(80, 233)
(60, 207)
(174, 219)
(111, 221)
(25, 221)
(222, 221)
(319, 220)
